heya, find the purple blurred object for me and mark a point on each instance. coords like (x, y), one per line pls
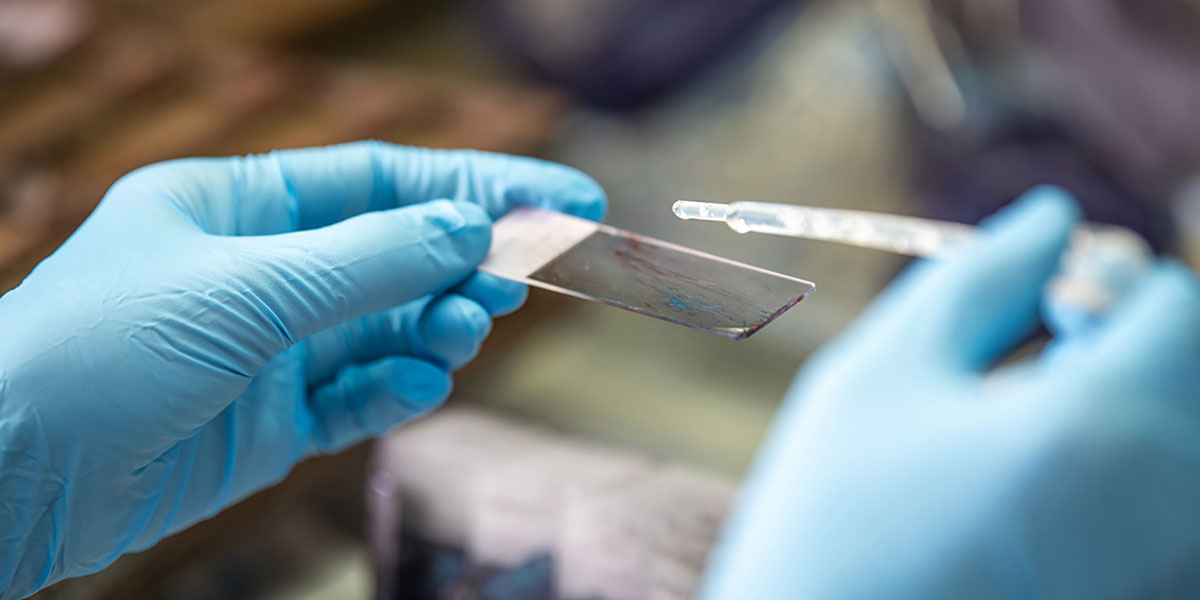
(624, 53)
(1107, 111)
(966, 181)
(1130, 70)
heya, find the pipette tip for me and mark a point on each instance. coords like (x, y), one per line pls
(700, 211)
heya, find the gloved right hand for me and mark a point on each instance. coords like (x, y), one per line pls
(216, 320)
(903, 464)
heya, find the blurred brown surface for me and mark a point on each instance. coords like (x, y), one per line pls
(150, 81)
(134, 96)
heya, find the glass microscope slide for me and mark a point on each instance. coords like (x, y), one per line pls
(647, 276)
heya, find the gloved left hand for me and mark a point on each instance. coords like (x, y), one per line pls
(217, 320)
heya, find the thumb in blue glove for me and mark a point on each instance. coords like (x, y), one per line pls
(905, 464)
(216, 320)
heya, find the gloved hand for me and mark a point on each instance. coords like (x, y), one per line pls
(906, 464)
(217, 320)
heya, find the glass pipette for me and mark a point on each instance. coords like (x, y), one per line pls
(1102, 262)
(902, 235)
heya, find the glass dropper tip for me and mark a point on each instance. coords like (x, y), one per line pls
(700, 211)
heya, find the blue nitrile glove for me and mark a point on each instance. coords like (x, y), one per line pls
(902, 465)
(217, 320)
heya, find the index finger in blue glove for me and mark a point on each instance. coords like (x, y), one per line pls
(292, 190)
(969, 310)
(307, 281)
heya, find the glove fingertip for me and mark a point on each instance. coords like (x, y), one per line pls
(556, 186)
(511, 301)
(974, 307)
(453, 328)
(477, 318)
(1042, 207)
(420, 385)
(588, 199)
(466, 223)
(1025, 240)
(497, 295)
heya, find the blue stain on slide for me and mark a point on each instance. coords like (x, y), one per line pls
(688, 305)
(680, 304)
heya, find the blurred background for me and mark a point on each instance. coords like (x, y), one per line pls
(590, 452)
